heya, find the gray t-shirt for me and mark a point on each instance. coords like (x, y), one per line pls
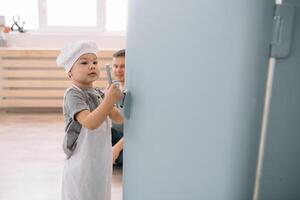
(75, 100)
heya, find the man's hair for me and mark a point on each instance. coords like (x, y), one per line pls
(120, 53)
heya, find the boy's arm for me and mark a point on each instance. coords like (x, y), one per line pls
(116, 116)
(94, 119)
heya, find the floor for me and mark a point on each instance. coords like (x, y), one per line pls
(31, 157)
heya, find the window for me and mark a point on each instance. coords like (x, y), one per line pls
(26, 10)
(71, 13)
(116, 15)
(68, 15)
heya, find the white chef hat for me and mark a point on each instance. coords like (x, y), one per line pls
(70, 53)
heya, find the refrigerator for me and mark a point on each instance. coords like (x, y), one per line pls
(214, 100)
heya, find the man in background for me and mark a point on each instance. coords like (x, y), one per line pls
(118, 70)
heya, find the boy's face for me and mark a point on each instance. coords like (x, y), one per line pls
(118, 68)
(85, 70)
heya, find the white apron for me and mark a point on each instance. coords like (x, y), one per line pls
(87, 174)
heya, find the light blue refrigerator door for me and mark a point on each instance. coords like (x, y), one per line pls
(281, 167)
(196, 71)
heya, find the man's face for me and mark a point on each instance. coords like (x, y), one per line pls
(118, 68)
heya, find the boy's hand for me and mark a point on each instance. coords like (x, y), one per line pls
(113, 93)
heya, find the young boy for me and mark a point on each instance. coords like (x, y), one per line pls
(87, 113)
(118, 69)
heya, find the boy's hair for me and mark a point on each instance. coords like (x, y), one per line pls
(120, 53)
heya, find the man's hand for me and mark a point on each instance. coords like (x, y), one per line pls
(117, 148)
(116, 152)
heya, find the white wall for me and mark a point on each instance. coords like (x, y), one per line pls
(37, 40)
